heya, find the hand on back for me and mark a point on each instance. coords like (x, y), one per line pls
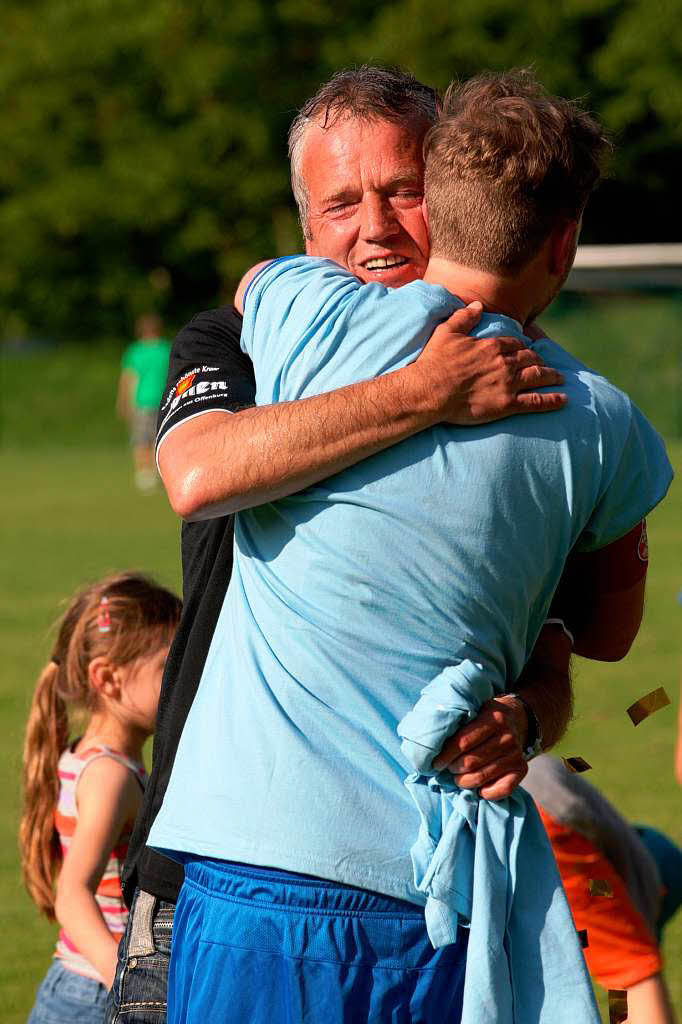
(478, 380)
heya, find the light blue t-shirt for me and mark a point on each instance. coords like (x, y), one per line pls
(348, 598)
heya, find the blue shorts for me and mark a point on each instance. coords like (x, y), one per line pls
(266, 947)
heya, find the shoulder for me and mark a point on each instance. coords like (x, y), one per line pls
(298, 275)
(107, 799)
(131, 353)
(105, 779)
(592, 397)
(289, 302)
(604, 390)
(207, 335)
(246, 281)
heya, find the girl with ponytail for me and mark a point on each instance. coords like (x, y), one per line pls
(81, 795)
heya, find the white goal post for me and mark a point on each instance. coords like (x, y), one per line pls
(622, 267)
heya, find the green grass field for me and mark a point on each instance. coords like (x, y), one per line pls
(71, 514)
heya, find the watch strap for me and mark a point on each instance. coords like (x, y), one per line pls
(534, 737)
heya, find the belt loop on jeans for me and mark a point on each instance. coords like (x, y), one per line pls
(141, 934)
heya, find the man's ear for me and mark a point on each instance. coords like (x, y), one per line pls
(563, 243)
(104, 678)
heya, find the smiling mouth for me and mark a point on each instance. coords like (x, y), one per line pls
(385, 262)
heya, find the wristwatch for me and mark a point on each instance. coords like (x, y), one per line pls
(534, 736)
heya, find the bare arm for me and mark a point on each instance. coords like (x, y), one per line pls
(215, 464)
(108, 796)
(487, 754)
(649, 1002)
(601, 596)
(124, 396)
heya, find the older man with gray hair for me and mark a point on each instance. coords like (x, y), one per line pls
(241, 456)
(319, 882)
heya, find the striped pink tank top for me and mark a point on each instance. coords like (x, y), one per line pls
(109, 895)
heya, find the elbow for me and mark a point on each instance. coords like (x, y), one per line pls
(185, 483)
(187, 494)
(197, 485)
(192, 494)
(608, 637)
(618, 651)
(601, 648)
(607, 654)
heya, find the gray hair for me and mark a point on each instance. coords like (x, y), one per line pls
(368, 93)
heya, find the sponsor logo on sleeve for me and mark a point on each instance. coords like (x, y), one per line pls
(184, 384)
(191, 392)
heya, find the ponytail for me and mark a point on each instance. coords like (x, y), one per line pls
(122, 617)
(47, 734)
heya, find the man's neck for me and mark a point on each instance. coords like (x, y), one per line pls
(515, 297)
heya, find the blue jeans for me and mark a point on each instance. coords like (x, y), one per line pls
(259, 946)
(139, 992)
(65, 997)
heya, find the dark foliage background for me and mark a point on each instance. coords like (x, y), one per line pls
(143, 162)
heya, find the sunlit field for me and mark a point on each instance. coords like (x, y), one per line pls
(71, 514)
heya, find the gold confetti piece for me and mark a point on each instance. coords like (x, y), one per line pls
(582, 935)
(576, 764)
(600, 887)
(646, 705)
(618, 1006)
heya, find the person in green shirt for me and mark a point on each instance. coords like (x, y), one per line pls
(144, 368)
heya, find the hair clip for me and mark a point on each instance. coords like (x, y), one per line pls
(103, 617)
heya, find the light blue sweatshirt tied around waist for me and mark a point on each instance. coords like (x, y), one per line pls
(489, 866)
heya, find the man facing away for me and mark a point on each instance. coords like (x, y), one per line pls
(365, 212)
(430, 566)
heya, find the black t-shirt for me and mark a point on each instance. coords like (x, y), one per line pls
(208, 370)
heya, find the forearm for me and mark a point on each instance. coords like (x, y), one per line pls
(124, 396)
(487, 754)
(545, 684)
(264, 453)
(79, 915)
(649, 1003)
(220, 463)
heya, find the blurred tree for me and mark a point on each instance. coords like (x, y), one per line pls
(139, 139)
(622, 57)
(144, 146)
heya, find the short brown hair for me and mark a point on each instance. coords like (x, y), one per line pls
(506, 162)
(368, 93)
